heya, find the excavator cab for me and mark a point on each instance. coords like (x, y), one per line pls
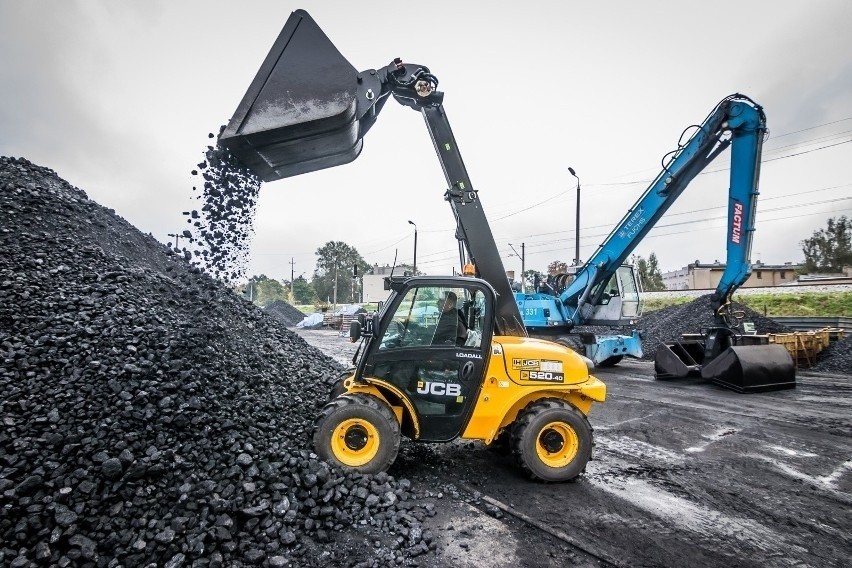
(617, 300)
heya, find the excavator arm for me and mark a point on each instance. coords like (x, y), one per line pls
(738, 122)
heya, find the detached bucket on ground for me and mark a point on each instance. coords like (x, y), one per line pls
(747, 368)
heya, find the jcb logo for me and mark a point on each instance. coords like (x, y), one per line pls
(439, 389)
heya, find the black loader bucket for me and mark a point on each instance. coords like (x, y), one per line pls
(300, 113)
(745, 368)
(752, 368)
(678, 359)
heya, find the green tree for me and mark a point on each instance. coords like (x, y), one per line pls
(303, 292)
(263, 290)
(336, 260)
(829, 249)
(649, 272)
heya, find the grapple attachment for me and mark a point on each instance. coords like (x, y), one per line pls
(744, 368)
(300, 112)
(752, 368)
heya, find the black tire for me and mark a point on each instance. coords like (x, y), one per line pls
(572, 343)
(502, 444)
(357, 431)
(337, 387)
(611, 361)
(552, 441)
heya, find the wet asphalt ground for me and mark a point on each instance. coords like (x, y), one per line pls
(684, 474)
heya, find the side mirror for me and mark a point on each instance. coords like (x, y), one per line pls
(355, 330)
(372, 327)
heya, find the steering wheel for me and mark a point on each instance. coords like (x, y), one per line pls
(394, 339)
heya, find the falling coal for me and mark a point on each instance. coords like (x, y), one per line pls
(223, 228)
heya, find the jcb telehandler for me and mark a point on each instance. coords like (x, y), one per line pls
(308, 109)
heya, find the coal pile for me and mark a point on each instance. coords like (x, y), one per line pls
(285, 313)
(222, 230)
(150, 416)
(836, 358)
(670, 323)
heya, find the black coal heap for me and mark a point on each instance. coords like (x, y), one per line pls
(150, 416)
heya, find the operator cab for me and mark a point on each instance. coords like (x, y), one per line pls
(617, 301)
(432, 341)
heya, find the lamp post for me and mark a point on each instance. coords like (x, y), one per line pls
(577, 229)
(415, 246)
(523, 266)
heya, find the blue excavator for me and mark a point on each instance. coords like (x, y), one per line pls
(605, 292)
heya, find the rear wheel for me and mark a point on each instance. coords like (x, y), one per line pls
(552, 441)
(611, 361)
(357, 431)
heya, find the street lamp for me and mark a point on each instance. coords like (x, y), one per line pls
(523, 266)
(415, 246)
(577, 230)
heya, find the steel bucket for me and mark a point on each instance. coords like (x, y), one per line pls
(752, 368)
(300, 112)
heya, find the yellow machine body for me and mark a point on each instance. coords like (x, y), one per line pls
(520, 371)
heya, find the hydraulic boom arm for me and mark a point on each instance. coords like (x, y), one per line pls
(309, 109)
(737, 121)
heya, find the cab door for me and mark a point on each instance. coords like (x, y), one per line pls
(441, 378)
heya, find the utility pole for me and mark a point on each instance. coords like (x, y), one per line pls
(523, 265)
(577, 229)
(292, 272)
(415, 246)
(336, 270)
(177, 239)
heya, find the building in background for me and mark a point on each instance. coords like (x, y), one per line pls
(374, 282)
(699, 276)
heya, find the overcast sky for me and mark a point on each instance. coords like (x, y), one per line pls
(118, 98)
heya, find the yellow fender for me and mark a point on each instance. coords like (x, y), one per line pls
(390, 395)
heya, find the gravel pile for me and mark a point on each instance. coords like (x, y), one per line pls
(284, 312)
(837, 358)
(222, 230)
(150, 416)
(669, 323)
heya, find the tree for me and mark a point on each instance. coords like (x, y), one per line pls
(557, 267)
(335, 262)
(263, 290)
(649, 272)
(829, 249)
(303, 292)
(530, 278)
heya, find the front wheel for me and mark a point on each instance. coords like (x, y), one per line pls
(552, 441)
(357, 431)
